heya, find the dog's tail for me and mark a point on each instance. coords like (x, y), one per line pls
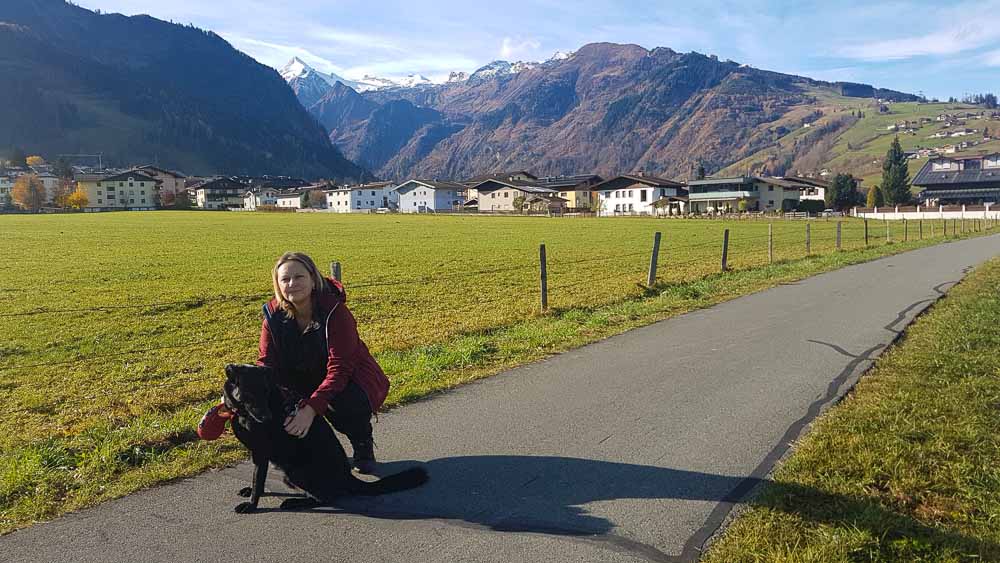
(408, 479)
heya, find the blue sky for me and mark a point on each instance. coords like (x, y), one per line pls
(939, 48)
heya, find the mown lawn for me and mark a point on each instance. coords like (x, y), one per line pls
(907, 467)
(116, 326)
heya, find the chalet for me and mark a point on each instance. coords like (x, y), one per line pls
(972, 179)
(428, 196)
(219, 193)
(501, 196)
(723, 195)
(363, 198)
(515, 176)
(577, 190)
(635, 195)
(293, 198)
(812, 188)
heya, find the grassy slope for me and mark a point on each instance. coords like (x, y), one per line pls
(441, 300)
(907, 468)
(859, 149)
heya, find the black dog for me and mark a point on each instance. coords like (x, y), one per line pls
(316, 463)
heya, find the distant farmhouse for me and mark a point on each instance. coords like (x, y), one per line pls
(973, 179)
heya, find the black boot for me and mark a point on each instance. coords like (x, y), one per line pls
(364, 456)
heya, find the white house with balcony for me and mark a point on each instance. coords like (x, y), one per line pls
(429, 196)
(363, 198)
(636, 195)
(723, 195)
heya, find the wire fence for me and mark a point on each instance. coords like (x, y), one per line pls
(491, 296)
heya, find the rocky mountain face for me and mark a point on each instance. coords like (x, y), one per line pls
(141, 90)
(605, 109)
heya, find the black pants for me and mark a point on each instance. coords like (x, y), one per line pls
(350, 413)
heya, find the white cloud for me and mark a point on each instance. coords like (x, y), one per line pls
(276, 54)
(969, 33)
(518, 48)
(992, 58)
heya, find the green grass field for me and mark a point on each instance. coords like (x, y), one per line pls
(907, 468)
(117, 325)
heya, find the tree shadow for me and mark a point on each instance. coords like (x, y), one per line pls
(549, 495)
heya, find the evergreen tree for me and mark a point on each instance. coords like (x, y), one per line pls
(841, 194)
(875, 198)
(895, 175)
(700, 173)
(62, 168)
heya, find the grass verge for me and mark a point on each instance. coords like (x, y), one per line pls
(907, 466)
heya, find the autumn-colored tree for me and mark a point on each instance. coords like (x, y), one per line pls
(35, 161)
(77, 199)
(62, 191)
(315, 199)
(29, 192)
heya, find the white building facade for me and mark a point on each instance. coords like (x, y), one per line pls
(427, 196)
(365, 198)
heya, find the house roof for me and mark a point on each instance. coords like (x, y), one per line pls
(967, 192)
(527, 187)
(811, 181)
(173, 173)
(584, 181)
(929, 177)
(131, 174)
(434, 185)
(223, 183)
(498, 176)
(630, 179)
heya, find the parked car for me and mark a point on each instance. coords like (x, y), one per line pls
(831, 213)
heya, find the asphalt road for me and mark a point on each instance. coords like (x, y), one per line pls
(635, 448)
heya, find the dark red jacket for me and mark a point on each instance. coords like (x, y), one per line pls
(347, 356)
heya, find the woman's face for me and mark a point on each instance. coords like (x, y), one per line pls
(295, 283)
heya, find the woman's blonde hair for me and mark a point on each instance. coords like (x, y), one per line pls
(319, 283)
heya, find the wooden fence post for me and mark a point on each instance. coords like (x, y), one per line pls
(888, 239)
(866, 232)
(545, 277)
(906, 232)
(725, 249)
(808, 239)
(838, 235)
(652, 260)
(770, 243)
(335, 271)
(920, 229)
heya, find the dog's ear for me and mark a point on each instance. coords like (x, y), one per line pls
(231, 372)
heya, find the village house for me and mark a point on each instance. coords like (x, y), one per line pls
(471, 196)
(293, 198)
(363, 198)
(256, 197)
(124, 190)
(812, 189)
(6, 187)
(635, 194)
(723, 195)
(972, 179)
(511, 196)
(171, 182)
(428, 196)
(219, 193)
(577, 190)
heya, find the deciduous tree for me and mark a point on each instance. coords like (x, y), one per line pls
(34, 161)
(29, 192)
(875, 198)
(64, 189)
(77, 199)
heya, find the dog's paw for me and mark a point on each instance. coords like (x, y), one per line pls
(245, 508)
(245, 492)
(299, 503)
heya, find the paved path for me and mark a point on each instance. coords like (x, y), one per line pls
(631, 449)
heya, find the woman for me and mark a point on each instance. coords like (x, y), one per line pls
(310, 338)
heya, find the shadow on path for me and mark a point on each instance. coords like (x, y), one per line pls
(548, 495)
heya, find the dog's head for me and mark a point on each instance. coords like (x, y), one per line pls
(247, 392)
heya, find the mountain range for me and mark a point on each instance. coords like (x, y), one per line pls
(606, 108)
(141, 90)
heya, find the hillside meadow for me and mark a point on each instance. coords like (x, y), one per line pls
(116, 326)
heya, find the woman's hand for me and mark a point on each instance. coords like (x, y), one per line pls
(299, 424)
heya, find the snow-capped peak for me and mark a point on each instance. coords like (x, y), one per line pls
(561, 55)
(458, 76)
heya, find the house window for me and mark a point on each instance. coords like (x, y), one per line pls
(630, 207)
(607, 194)
(121, 184)
(99, 201)
(617, 208)
(770, 203)
(142, 184)
(663, 192)
(131, 201)
(642, 195)
(493, 195)
(373, 193)
(770, 188)
(506, 194)
(98, 192)
(630, 195)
